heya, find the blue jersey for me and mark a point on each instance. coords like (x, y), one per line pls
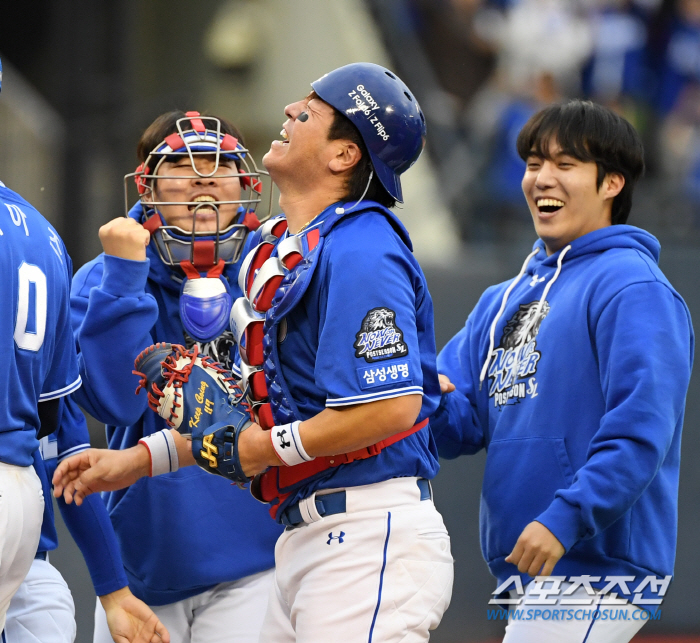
(36, 341)
(362, 332)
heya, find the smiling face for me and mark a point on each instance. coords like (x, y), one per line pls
(184, 188)
(564, 199)
(304, 152)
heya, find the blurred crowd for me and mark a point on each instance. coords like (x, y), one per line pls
(499, 61)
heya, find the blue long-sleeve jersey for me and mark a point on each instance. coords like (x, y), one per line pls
(580, 407)
(179, 533)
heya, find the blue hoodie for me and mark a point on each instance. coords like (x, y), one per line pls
(179, 533)
(586, 438)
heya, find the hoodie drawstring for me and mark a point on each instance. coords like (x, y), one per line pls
(492, 333)
(531, 322)
(538, 312)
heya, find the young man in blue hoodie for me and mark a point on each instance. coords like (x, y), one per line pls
(573, 377)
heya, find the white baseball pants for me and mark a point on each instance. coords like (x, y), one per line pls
(380, 572)
(228, 613)
(586, 629)
(42, 610)
(21, 514)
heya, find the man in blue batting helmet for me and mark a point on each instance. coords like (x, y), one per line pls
(337, 350)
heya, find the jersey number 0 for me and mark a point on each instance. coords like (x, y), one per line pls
(29, 333)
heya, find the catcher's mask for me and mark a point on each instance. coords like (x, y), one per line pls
(205, 305)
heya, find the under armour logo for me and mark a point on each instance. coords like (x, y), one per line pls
(331, 537)
(283, 443)
(536, 281)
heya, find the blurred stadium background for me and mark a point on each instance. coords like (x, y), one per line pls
(82, 79)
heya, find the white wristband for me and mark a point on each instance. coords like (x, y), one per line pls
(161, 448)
(286, 442)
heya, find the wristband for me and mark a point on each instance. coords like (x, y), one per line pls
(286, 442)
(161, 448)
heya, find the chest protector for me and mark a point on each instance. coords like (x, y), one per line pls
(274, 277)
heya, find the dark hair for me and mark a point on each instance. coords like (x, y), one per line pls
(342, 128)
(166, 124)
(590, 133)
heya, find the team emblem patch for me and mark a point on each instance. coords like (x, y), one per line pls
(514, 361)
(379, 337)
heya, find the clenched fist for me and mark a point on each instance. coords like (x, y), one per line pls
(125, 238)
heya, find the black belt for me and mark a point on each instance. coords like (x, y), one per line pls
(334, 503)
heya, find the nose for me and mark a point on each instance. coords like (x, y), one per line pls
(545, 177)
(204, 176)
(293, 110)
(205, 171)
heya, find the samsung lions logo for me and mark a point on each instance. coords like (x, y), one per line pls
(379, 337)
(516, 357)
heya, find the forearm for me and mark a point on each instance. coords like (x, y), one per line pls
(456, 427)
(115, 312)
(90, 527)
(350, 428)
(333, 431)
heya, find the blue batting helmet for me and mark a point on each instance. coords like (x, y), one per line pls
(384, 111)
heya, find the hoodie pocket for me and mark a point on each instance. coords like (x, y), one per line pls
(522, 475)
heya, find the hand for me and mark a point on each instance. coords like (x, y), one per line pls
(445, 385)
(125, 238)
(537, 551)
(131, 620)
(100, 470)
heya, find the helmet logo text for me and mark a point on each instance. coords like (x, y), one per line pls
(360, 95)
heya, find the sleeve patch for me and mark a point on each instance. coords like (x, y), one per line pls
(379, 337)
(372, 376)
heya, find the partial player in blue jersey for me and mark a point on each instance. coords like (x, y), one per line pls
(42, 610)
(199, 553)
(38, 367)
(573, 377)
(335, 331)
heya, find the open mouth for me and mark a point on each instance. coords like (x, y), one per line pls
(285, 137)
(549, 205)
(202, 209)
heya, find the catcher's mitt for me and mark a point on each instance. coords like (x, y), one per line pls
(199, 398)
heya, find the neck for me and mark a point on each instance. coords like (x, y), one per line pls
(302, 206)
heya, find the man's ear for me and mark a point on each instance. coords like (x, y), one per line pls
(612, 185)
(347, 155)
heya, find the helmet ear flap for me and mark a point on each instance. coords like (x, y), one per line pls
(140, 178)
